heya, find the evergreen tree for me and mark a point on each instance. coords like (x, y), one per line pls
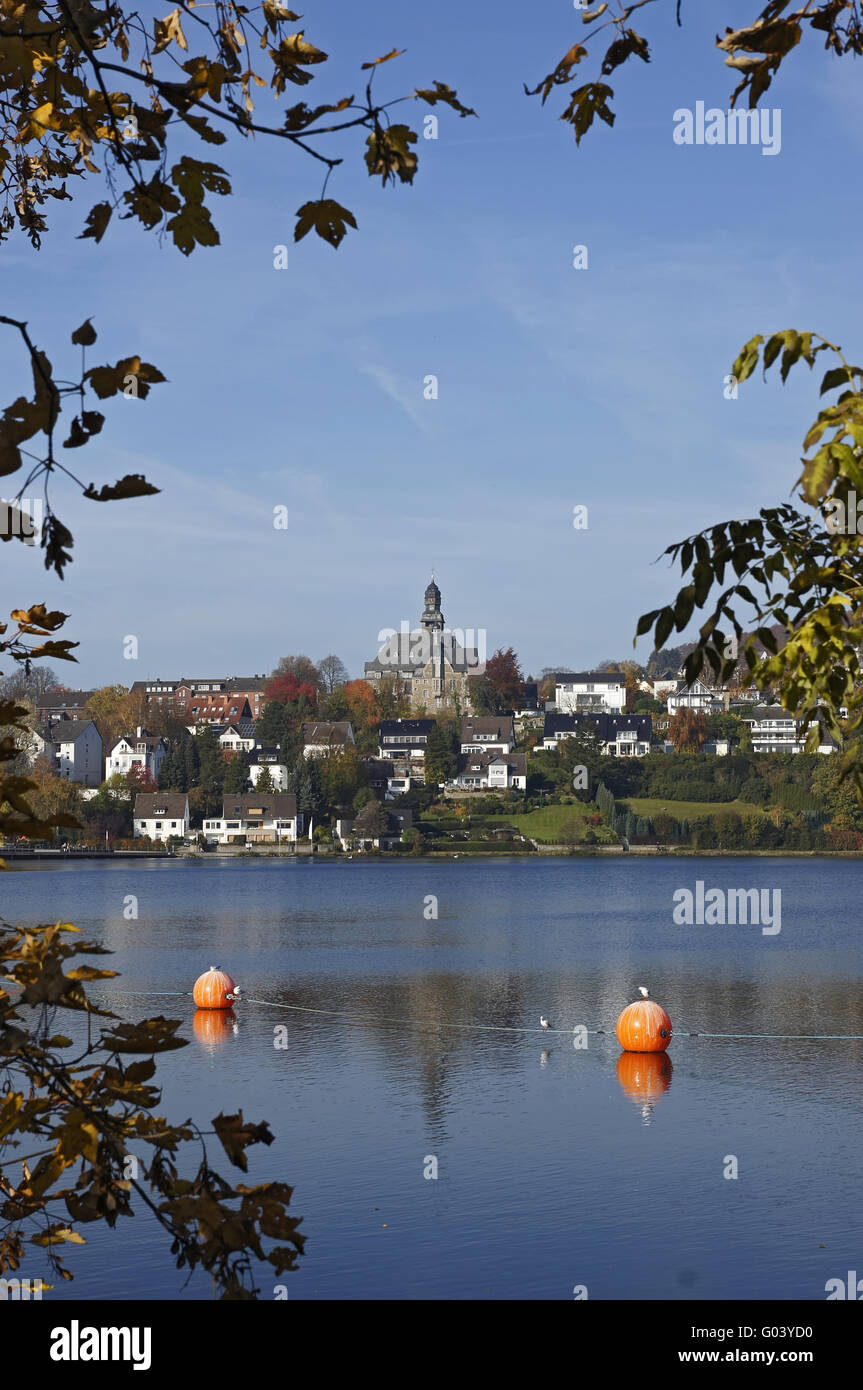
(237, 774)
(371, 822)
(211, 778)
(191, 762)
(265, 781)
(441, 760)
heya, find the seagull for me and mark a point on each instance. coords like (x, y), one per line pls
(644, 991)
(235, 994)
(543, 1021)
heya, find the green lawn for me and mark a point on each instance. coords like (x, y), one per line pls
(545, 824)
(651, 806)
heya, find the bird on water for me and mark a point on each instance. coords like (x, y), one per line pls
(644, 991)
(543, 1021)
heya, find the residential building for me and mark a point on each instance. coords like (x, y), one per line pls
(491, 771)
(775, 730)
(254, 818)
(431, 664)
(141, 749)
(487, 733)
(73, 747)
(344, 832)
(620, 735)
(404, 738)
(322, 738)
(211, 699)
(697, 695)
(61, 704)
(269, 758)
(161, 815)
(239, 737)
(586, 692)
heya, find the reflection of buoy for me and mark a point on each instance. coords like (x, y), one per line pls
(644, 1078)
(644, 1027)
(213, 1027)
(214, 989)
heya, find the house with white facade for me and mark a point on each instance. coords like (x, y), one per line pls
(491, 772)
(322, 738)
(238, 737)
(585, 692)
(255, 818)
(697, 695)
(141, 749)
(345, 836)
(774, 730)
(488, 733)
(269, 758)
(404, 739)
(619, 735)
(73, 747)
(160, 815)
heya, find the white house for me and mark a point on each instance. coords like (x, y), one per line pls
(345, 834)
(238, 737)
(160, 815)
(269, 758)
(697, 695)
(774, 730)
(583, 692)
(618, 735)
(491, 772)
(251, 818)
(140, 749)
(488, 733)
(73, 746)
(404, 738)
(323, 738)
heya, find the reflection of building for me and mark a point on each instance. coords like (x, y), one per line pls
(430, 665)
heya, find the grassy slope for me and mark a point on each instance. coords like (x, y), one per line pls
(545, 824)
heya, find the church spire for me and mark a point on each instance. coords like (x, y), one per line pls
(432, 618)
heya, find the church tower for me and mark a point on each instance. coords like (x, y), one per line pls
(432, 618)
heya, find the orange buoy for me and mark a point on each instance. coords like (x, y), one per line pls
(214, 989)
(644, 1026)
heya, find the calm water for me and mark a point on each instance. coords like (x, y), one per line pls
(556, 1167)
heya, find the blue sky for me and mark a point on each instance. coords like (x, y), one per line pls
(557, 387)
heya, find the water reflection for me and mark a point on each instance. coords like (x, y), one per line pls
(213, 1027)
(644, 1078)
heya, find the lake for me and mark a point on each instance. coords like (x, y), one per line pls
(557, 1166)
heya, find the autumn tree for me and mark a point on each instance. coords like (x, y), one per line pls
(687, 730)
(505, 681)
